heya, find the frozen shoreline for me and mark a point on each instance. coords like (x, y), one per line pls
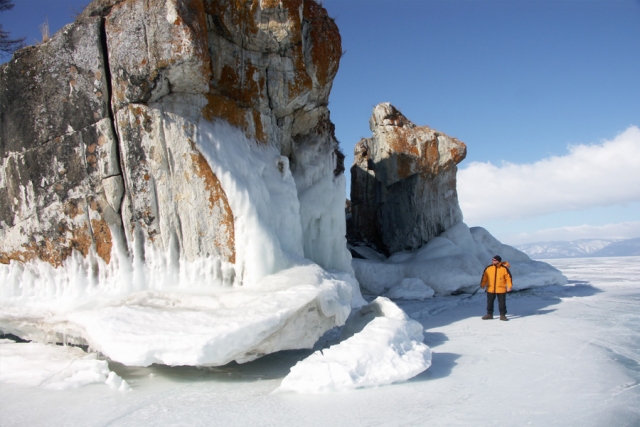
(569, 356)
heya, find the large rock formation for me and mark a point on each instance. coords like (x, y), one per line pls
(403, 182)
(116, 167)
(98, 125)
(58, 150)
(404, 202)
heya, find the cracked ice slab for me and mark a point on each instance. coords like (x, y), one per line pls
(289, 310)
(53, 367)
(385, 350)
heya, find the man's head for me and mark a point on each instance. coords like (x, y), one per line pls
(496, 259)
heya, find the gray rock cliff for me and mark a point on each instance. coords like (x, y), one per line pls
(97, 125)
(403, 182)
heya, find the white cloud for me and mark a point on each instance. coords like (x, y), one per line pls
(623, 230)
(603, 174)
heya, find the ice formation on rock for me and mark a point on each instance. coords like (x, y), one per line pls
(157, 307)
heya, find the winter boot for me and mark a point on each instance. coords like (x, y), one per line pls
(503, 317)
(487, 316)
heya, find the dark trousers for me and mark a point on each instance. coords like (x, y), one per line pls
(502, 303)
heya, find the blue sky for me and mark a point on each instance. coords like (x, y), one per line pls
(25, 18)
(545, 93)
(522, 83)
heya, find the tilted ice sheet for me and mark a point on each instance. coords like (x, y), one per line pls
(53, 367)
(290, 309)
(383, 346)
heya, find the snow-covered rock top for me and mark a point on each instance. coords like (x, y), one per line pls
(582, 248)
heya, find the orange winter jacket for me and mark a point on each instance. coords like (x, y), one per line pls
(497, 279)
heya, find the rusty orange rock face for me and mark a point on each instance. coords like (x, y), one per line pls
(408, 149)
(115, 144)
(54, 248)
(262, 62)
(249, 120)
(325, 42)
(403, 189)
(225, 108)
(102, 238)
(155, 40)
(219, 206)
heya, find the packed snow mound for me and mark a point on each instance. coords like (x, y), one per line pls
(382, 346)
(452, 262)
(54, 367)
(410, 288)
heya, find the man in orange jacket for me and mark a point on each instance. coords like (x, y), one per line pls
(497, 280)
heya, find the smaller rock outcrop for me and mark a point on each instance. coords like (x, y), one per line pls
(403, 182)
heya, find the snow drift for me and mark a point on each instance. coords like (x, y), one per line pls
(453, 261)
(382, 346)
(54, 367)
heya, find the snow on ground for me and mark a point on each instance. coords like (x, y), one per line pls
(53, 367)
(569, 356)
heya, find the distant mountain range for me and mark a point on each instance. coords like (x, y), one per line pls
(582, 248)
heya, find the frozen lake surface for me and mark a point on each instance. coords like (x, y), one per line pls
(569, 356)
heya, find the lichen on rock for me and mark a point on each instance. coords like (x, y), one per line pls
(141, 73)
(403, 182)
